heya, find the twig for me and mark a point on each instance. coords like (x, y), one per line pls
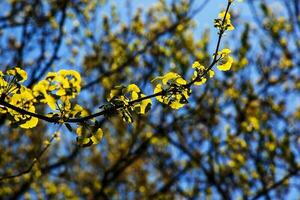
(36, 159)
(103, 112)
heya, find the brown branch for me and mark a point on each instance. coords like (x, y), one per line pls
(146, 46)
(119, 167)
(56, 48)
(103, 112)
(64, 160)
(29, 168)
(266, 190)
(74, 120)
(135, 54)
(176, 178)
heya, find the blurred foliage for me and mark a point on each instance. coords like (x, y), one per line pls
(235, 136)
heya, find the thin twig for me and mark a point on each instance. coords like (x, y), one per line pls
(29, 168)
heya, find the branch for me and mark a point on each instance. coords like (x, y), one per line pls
(36, 159)
(266, 190)
(56, 48)
(215, 60)
(171, 181)
(130, 103)
(147, 45)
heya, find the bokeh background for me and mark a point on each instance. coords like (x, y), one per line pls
(237, 138)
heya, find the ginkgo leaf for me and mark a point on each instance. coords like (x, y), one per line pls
(224, 24)
(64, 85)
(19, 73)
(145, 105)
(169, 76)
(158, 88)
(97, 136)
(88, 136)
(176, 105)
(24, 99)
(133, 88)
(84, 141)
(225, 61)
(174, 87)
(31, 123)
